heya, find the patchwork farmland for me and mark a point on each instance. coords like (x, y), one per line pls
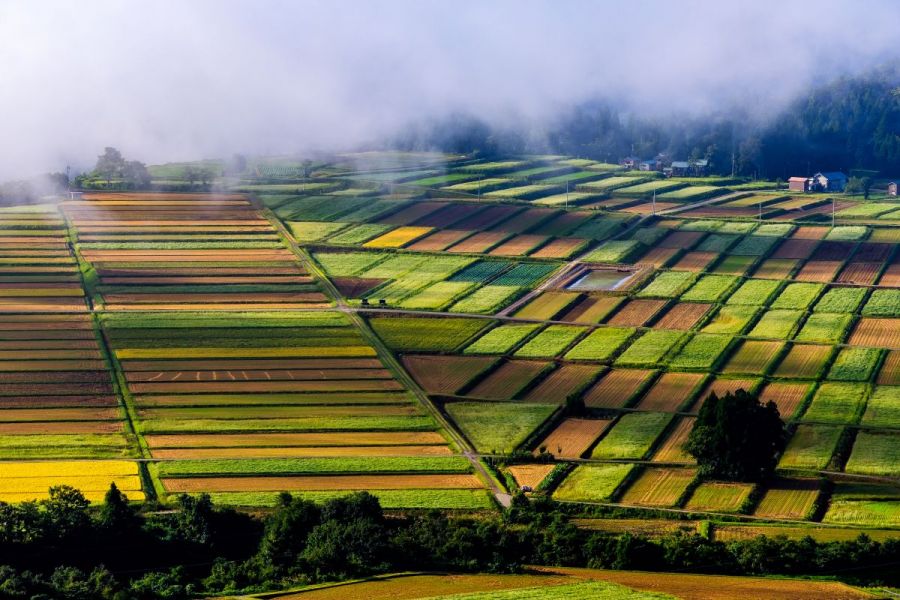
(423, 333)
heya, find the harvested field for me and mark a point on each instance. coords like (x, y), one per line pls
(508, 380)
(546, 305)
(590, 309)
(635, 313)
(671, 391)
(616, 388)
(695, 262)
(795, 248)
(890, 370)
(891, 276)
(658, 487)
(658, 257)
(716, 496)
(752, 357)
(775, 268)
(860, 273)
(787, 396)
(681, 239)
(876, 333)
(789, 499)
(671, 450)
(438, 241)
(445, 374)
(320, 482)
(818, 271)
(572, 437)
(721, 386)
(286, 440)
(525, 220)
(559, 248)
(530, 475)
(682, 316)
(480, 242)
(518, 245)
(300, 452)
(561, 383)
(804, 361)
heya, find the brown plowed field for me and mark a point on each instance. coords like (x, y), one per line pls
(805, 232)
(876, 333)
(73, 377)
(820, 271)
(439, 240)
(412, 213)
(860, 273)
(830, 251)
(250, 440)
(301, 452)
(277, 412)
(525, 220)
(591, 309)
(250, 375)
(695, 261)
(250, 363)
(449, 215)
(13, 415)
(52, 389)
(559, 248)
(445, 374)
(165, 280)
(505, 382)
(682, 316)
(787, 396)
(169, 272)
(752, 357)
(681, 240)
(869, 252)
(658, 257)
(320, 482)
(480, 242)
(891, 276)
(671, 391)
(795, 248)
(518, 245)
(236, 297)
(635, 313)
(49, 365)
(615, 388)
(487, 218)
(58, 402)
(561, 383)
(572, 437)
(262, 386)
(60, 427)
(720, 387)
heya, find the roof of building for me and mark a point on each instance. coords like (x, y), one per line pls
(831, 175)
(680, 164)
(797, 179)
(700, 162)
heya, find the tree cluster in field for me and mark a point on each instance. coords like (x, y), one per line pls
(112, 167)
(850, 123)
(736, 437)
(63, 548)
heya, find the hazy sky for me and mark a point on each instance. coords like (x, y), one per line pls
(167, 80)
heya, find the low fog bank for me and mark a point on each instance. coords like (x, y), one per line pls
(171, 80)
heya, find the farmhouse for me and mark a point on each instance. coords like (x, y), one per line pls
(832, 181)
(631, 162)
(648, 165)
(687, 168)
(799, 184)
(892, 188)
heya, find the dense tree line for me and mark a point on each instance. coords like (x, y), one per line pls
(850, 123)
(63, 548)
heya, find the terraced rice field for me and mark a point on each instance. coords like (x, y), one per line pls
(196, 329)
